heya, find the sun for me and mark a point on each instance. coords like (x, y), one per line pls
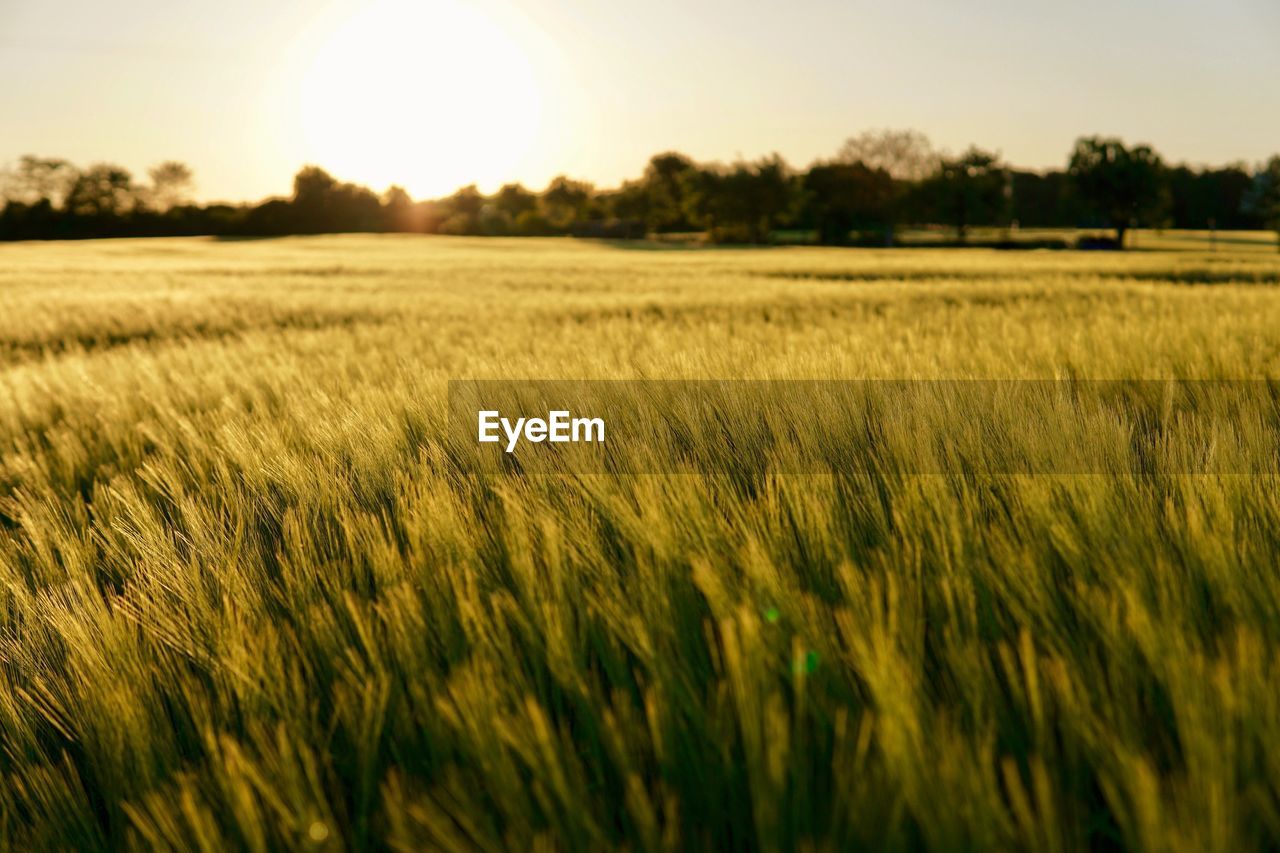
(430, 95)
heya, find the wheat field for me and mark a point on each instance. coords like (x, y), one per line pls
(249, 601)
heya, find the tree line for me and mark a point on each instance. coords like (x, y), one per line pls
(878, 183)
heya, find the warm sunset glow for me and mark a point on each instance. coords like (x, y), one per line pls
(429, 95)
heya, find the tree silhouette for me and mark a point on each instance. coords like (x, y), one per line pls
(1123, 185)
(103, 190)
(1209, 198)
(398, 211)
(871, 185)
(742, 203)
(566, 201)
(968, 189)
(1263, 198)
(665, 184)
(312, 187)
(461, 211)
(37, 179)
(513, 200)
(840, 197)
(630, 202)
(171, 185)
(907, 155)
(323, 204)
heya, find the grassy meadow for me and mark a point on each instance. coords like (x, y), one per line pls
(248, 601)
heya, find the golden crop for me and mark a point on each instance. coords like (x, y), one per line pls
(247, 600)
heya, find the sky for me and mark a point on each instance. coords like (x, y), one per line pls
(434, 94)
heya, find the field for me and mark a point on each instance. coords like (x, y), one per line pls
(247, 601)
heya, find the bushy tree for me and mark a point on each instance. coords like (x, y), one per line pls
(1263, 198)
(398, 210)
(272, 217)
(907, 155)
(742, 203)
(1124, 186)
(841, 197)
(514, 200)
(461, 211)
(969, 190)
(1208, 198)
(311, 187)
(1043, 199)
(629, 202)
(171, 185)
(103, 190)
(666, 183)
(36, 179)
(532, 223)
(322, 204)
(566, 201)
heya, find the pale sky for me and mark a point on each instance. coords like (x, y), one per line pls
(433, 94)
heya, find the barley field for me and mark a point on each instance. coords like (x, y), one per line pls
(248, 600)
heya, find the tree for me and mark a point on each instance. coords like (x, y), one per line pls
(354, 208)
(513, 200)
(566, 201)
(102, 190)
(742, 203)
(311, 188)
(37, 179)
(1263, 198)
(841, 197)
(532, 223)
(273, 217)
(969, 190)
(398, 210)
(1043, 199)
(322, 204)
(461, 211)
(907, 155)
(665, 181)
(629, 203)
(171, 185)
(1209, 198)
(1124, 186)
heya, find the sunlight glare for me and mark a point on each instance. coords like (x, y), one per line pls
(430, 95)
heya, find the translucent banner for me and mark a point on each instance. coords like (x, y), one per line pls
(1140, 427)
